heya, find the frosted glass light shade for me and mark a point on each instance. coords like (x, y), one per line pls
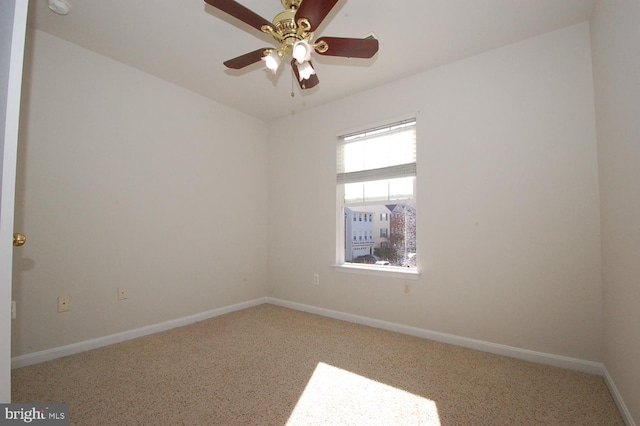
(272, 61)
(301, 51)
(305, 70)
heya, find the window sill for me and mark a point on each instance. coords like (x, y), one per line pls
(380, 271)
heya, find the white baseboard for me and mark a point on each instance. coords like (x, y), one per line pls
(518, 353)
(624, 410)
(74, 348)
(510, 351)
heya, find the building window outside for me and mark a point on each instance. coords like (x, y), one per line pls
(376, 179)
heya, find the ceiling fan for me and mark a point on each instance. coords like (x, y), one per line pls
(293, 31)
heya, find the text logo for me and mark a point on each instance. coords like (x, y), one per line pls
(34, 414)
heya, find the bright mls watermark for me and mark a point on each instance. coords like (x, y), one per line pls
(34, 414)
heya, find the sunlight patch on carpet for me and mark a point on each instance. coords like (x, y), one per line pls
(334, 396)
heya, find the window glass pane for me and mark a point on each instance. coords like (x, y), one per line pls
(354, 193)
(376, 191)
(401, 188)
(380, 190)
(385, 243)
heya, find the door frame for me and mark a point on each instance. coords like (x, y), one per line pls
(13, 23)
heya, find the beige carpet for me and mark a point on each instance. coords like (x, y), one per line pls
(274, 366)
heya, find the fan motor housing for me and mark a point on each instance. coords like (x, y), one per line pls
(286, 31)
(286, 27)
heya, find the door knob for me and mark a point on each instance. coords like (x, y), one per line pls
(19, 239)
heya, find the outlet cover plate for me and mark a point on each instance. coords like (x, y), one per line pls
(122, 293)
(63, 303)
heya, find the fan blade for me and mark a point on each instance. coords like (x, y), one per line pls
(304, 84)
(246, 59)
(349, 47)
(315, 11)
(240, 12)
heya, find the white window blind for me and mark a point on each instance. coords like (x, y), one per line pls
(378, 164)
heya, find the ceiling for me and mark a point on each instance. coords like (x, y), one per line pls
(185, 42)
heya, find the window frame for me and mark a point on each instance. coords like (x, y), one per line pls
(369, 269)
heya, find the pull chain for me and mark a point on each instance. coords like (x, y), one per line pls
(292, 75)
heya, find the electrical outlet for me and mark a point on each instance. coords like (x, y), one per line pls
(407, 289)
(63, 303)
(122, 293)
(13, 309)
(316, 279)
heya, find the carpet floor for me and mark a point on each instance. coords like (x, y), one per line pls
(269, 365)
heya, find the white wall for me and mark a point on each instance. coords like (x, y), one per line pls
(508, 201)
(126, 180)
(616, 57)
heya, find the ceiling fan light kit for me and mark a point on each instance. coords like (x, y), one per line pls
(293, 30)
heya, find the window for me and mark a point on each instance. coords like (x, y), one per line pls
(376, 179)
